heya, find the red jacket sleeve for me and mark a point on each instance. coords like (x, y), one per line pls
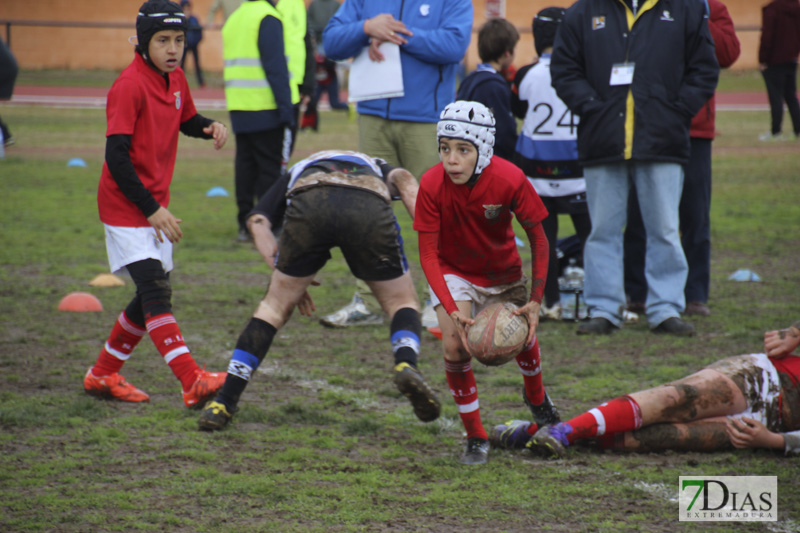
(725, 40)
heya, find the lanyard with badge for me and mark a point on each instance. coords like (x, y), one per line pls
(622, 73)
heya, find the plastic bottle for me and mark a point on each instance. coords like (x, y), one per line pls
(574, 275)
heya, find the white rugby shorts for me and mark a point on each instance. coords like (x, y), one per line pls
(762, 386)
(482, 297)
(126, 245)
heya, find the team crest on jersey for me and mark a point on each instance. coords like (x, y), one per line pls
(666, 16)
(492, 210)
(177, 99)
(598, 23)
(425, 10)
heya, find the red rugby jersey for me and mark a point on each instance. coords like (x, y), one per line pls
(789, 364)
(143, 105)
(476, 237)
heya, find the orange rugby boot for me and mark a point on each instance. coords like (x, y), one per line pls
(113, 387)
(204, 388)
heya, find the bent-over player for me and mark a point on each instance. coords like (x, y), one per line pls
(745, 401)
(465, 209)
(333, 198)
(147, 106)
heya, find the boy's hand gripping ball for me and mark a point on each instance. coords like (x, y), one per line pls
(497, 335)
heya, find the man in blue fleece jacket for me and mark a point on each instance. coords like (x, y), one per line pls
(433, 37)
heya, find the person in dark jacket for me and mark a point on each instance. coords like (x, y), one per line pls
(636, 72)
(777, 57)
(193, 37)
(694, 212)
(8, 77)
(497, 40)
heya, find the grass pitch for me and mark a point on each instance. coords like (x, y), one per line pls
(323, 441)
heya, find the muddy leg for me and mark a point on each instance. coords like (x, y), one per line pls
(705, 394)
(700, 436)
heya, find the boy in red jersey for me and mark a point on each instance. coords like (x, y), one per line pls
(746, 401)
(147, 106)
(467, 250)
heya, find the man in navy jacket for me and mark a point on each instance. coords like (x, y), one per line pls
(636, 71)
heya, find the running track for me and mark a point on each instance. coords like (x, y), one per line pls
(205, 99)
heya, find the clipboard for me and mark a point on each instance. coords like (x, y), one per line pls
(371, 80)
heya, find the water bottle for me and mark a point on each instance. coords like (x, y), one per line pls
(574, 275)
(567, 306)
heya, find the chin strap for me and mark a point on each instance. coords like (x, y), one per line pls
(475, 176)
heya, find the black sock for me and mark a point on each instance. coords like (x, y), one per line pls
(251, 348)
(406, 331)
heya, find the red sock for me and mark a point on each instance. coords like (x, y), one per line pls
(124, 337)
(533, 428)
(166, 335)
(618, 415)
(465, 393)
(529, 362)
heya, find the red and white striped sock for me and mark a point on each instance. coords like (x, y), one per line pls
(124, 337)
(465, 393)
(618, 415)
(166, 335)
(530, 364)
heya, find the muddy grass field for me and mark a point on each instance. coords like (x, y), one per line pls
(323, 441)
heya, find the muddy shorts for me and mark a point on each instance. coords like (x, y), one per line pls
(357, 221)
(482, 297)
(761, 383)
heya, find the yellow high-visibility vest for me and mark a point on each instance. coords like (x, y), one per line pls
(246, 85)
(293, 14)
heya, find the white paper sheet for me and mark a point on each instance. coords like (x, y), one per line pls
(370, 80)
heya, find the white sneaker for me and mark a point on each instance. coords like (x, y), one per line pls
(353, 314)
(770, 137)
(550, 313)
(429, 318)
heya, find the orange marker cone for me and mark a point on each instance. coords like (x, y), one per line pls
(80, 302)
(107, 280)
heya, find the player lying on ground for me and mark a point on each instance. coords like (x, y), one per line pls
(467, 249)
(333, 198)
(746, 401)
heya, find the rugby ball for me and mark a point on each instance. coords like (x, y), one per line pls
(498, 335)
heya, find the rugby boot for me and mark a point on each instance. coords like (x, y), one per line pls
(411, 384)
(204, 388)
(113, 387)
(476, 452)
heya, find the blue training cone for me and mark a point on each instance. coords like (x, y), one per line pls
(216, 191)
(744, 274)
(76, 162)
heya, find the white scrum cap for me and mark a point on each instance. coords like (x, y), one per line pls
(472, 122)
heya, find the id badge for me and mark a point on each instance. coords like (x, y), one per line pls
(621, 74)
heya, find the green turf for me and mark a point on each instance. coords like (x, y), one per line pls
(323, 441)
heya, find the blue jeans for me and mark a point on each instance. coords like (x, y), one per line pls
(695, 226)
(658, 187)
